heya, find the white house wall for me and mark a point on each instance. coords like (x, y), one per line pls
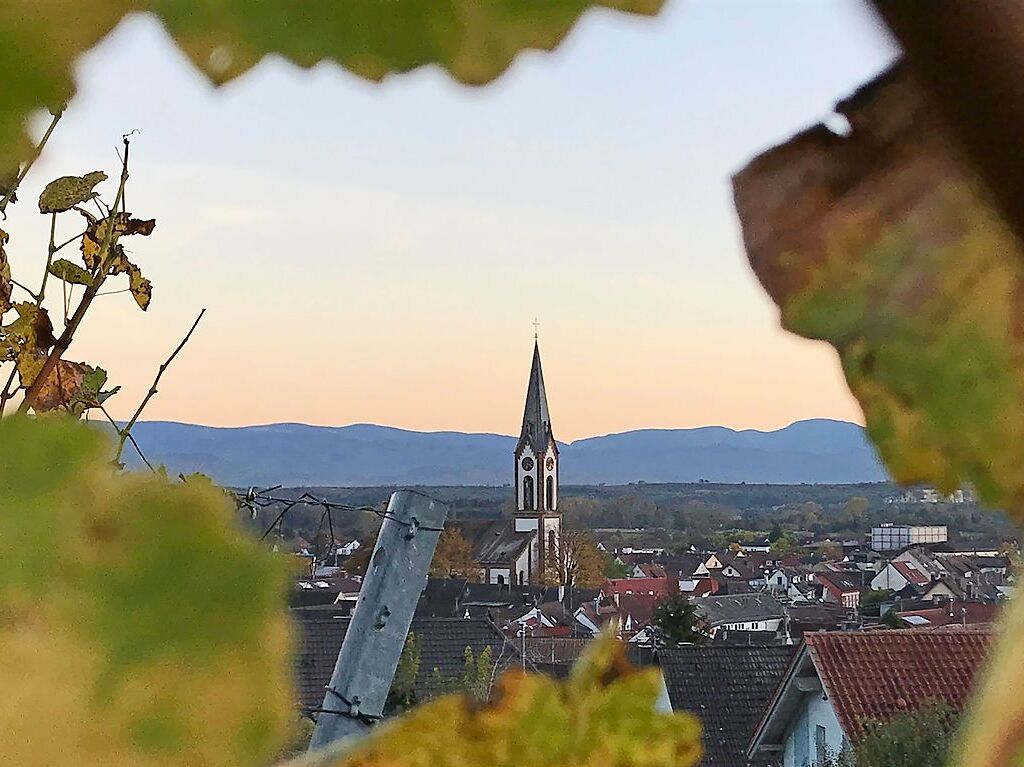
(815, 711)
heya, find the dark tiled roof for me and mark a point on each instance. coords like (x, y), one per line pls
(739, 608)
(728, 687)
(496, 542)
(441, 598)
(879, 673)
(443, 642)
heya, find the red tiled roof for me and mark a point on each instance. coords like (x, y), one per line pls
(911, 573)
(660, 586)
(880, 673)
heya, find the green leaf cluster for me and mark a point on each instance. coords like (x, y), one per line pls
(137, 626)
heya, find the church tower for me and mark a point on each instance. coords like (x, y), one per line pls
(536, 476)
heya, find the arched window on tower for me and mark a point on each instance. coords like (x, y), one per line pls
(528, 493)
(549, 493)
(552, 545)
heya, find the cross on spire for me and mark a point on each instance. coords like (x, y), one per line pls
(536, 326)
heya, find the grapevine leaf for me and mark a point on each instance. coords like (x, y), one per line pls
(605, 715)
(66, 192)
(6, 286)
(883, 244)
(32, 331)
(62, 386)
(63, 269)
(124, 225)
(475, 40)
(141, 288)
(91, 251)
(161, 627)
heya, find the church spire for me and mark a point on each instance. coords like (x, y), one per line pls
(536, 418)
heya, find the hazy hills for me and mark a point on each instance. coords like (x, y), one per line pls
(813, 451)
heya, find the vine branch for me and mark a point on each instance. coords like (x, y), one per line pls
(126, 433)
(28, 165)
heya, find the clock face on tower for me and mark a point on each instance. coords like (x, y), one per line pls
(527, 463)
(550, 463)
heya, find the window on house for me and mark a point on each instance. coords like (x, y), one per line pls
(501, 580)
(820, 746)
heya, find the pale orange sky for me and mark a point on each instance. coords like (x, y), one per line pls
(378, 253)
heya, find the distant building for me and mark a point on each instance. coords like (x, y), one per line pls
(524, 549)
(890, 537)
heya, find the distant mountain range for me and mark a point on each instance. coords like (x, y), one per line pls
(815, 451)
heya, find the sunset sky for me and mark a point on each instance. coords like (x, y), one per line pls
(377, 253)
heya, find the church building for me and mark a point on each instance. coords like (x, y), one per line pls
(522, 549)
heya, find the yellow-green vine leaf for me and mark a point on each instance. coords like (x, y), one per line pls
(883, 244)
(993, 732)
(475, 40)
(65, 270)
(139, 627)
(66, 192)
(604, 716)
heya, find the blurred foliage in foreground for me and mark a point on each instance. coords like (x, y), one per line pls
(136, 625)
(603, 716)
(139, 627)
(882, 242)
(474, 40)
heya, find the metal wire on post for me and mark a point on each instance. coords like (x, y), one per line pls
(397, 572)
(255, 500)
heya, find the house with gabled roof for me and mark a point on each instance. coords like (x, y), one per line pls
(839, 679)
(897, 574)
(839, 588)
(742, 612)
(726, 686)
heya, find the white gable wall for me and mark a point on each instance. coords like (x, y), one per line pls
(814, 712)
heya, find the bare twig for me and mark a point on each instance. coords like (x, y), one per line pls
(49, 259)
(125, 433)
(27, 290)
(69, 241)
(131, 439)
(6, 393)
(28, 165)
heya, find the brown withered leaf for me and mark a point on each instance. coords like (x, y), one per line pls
(124, 226)
(6, 286)
(90, 251)
(32, 331)
(140, 287)
(62, 386)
